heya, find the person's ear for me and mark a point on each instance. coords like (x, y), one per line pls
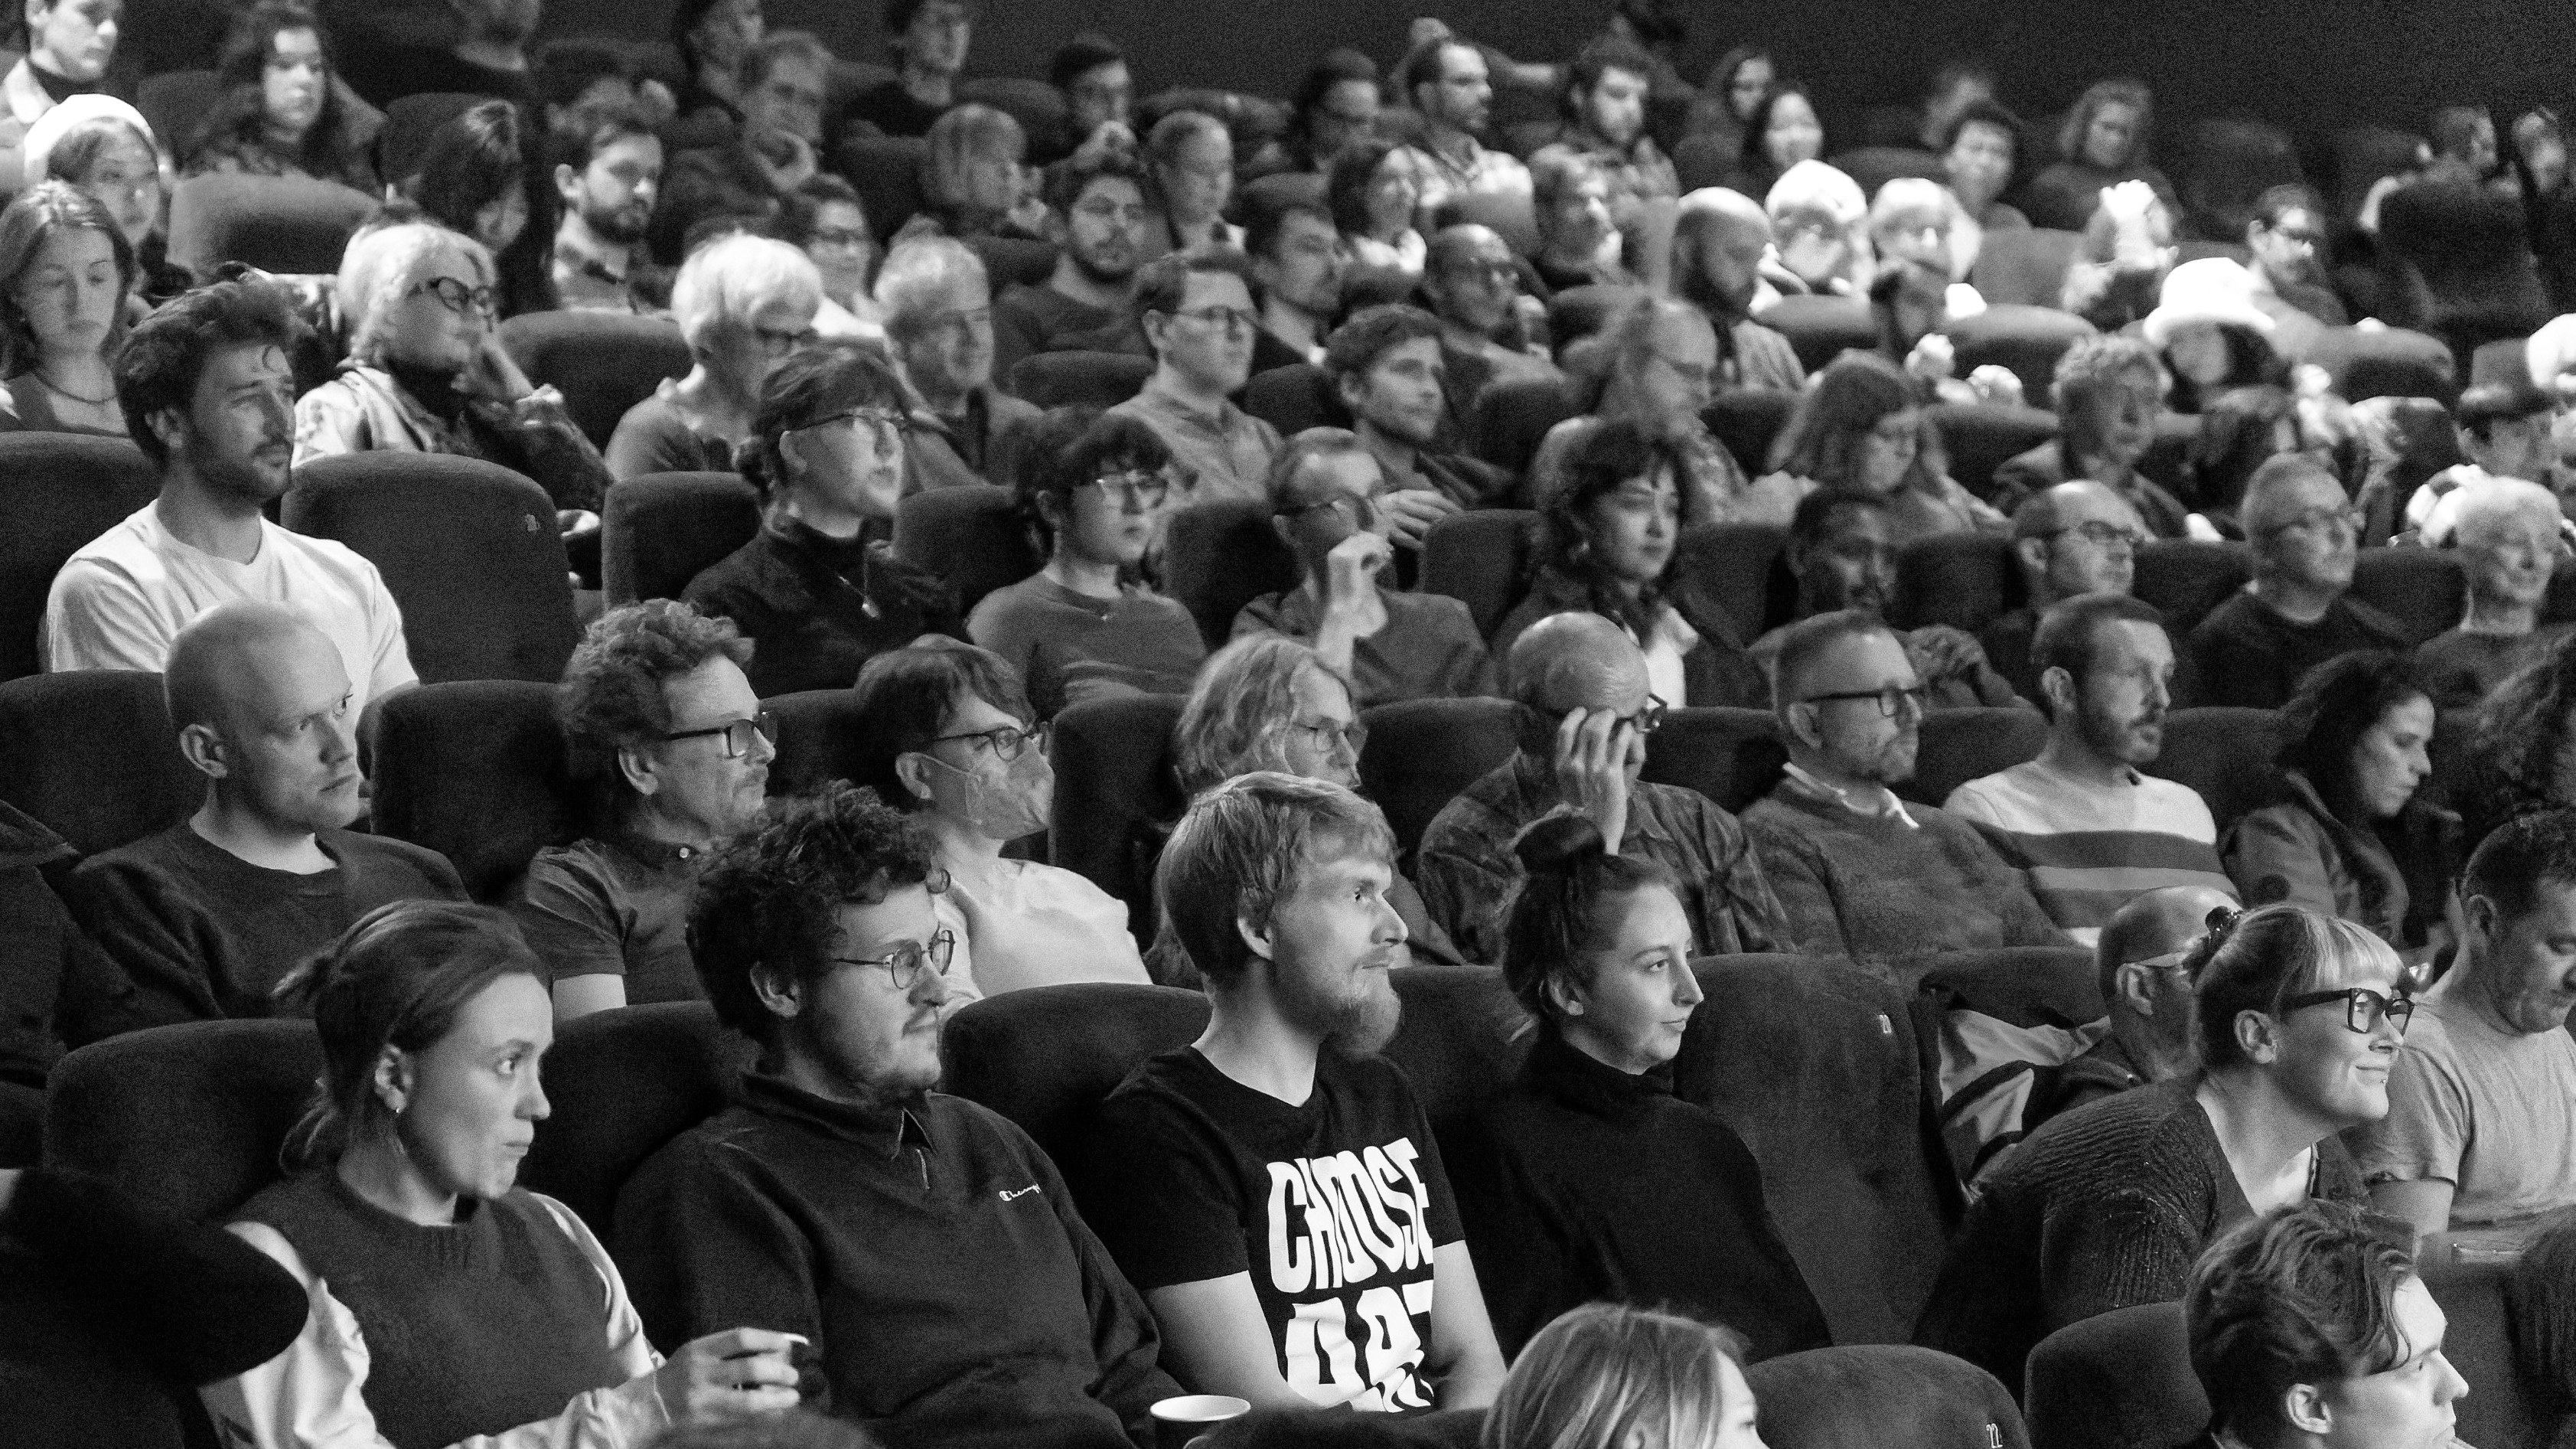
(1351, 388)
(2258, 1037)
(1279, 526)
(913, 768)
(2483, 921)
(1801, 719)
(393, 1079)
(2033, 553)
(637, 767)
(170, 425)
(1053, 512)
(2135, 985)
(2303, 1407)
(568, 184)
(778, 990)
(1257, 936)
(2059, 685)
(1564, 994)
(1157, 326)
(202, 746)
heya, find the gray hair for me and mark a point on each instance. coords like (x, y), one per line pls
(920, 273)
(728, 279)
(379, 267)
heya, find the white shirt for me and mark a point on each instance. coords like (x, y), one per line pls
(120, 601)
(1035, 925)
(1664, 649)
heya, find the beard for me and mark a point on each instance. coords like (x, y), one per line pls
(623, 225)
(1092, 271)
(1358, 1024)
(239, 475)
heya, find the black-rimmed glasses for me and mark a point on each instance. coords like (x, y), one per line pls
(2103, 535)
(1007, 743)
(737, 733)
(1356, 511)
(1145, 487)
(1892, 699)
(1648, 719)
(2363, 1008)
(906, 962)
(460, 297)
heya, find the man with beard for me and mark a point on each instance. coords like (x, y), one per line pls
(1196, 308)
(2088, 830)
(1605, 108)
(207, 916)
(1585, 712)
(1861, 873)
(1097, 214)
(1842, 552)
(1386, 366)
(1719, 238)
(1296, 267)
(1282, 1201)
(2298, 611)
(938, 310)
(1473, 283)
(210, 395)
(608, 167)
(925, 1247)
(2288, 239)
(1448, 83)
(1577, 244)
(2074, 538)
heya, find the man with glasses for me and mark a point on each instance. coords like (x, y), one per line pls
(1387, 365)
(2287, 237)
(2296, 614)
(607, 170)
(661, 721)
(2074, 538)
(775, 152)
(924, 1247)
(1098, 215)
(2481, 1124)
(1473, 283)
(1606, 92)
(1584, 715)
(1860, 872)
(2081, 822)
(2510, 539)
(939, 326)
(1196, 309)
(1090, 71)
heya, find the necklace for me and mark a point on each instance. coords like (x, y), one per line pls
(61, 391)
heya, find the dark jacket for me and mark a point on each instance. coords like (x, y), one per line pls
(1717, 670)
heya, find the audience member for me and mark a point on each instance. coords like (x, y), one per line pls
(2118, 272)
(666, 734)
(822, 944)
(2510, 536)
(744, 305)
(2107, 391)
(2074, 538)
(1323, 488)
(2309, 1326)
(1473, 283)
(1276, 886)
(2083, 825)
(2503, 430)
(2144, 963)
(426, 371)
(474, 178)
(1190, 156)
(2287, 237)
(65, 272)
(485, 55)
(70, 44)
(449, 1304)
(938, 311)
(1979, 147)
(1090, 71)
(2102, 143)
(2536, 1325)
(1859, 430)
(1196, 308)
(1820, 220)
(770, 154)
(1781, 131)
(930, 40)
(1296, 272)
(1387, 365)
(1842, 554)
(974, 179)
(1605, 1375)
(2297, 612)
(208, 392)
(2107, 1206)
(284, 111)
(1086, 625)
(1719, 240)
(1727, 99)
(818, 591)
(1914, 231)
(573, 73)
(826, 221)
(1604, 107)
(607, 170)
(1334, 108)
(2516, 759)
(714, 39)
(1452, 90)
(1610, 523)
(2354, 835)
(1658, 362)
(1587, 1180)
(1584, 710)
(206, 917)
(105, 148)
(1578, 240)
(1098, 213)
(1373, 193)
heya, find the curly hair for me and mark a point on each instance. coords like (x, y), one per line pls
(36, 214)
(167, 351)
(2122, 91)
(906, 697)
(612, 696)
(2304, 1295)
(1606, 456)
(2517, 737)
(2097, 368)
(771, 896)
(1832, 419)
(1241, 708)
(332, 146)
(1371, 333)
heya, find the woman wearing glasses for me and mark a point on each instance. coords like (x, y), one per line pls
(818, 591)
(426, 372)
(1858, 428)
(1092, 487)
(743, 304)
(946, 734)
(65, 271)
(2352, 835)
(2299, 1018)
(1609, 529)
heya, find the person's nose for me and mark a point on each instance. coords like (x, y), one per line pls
(533, 1104)
(763, 748)
(647, 189)
(1686, 987)
(340, 740)
(1391, 929)
(2451, 1385)
(931, 990)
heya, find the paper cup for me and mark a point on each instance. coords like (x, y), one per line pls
(1178, 1421)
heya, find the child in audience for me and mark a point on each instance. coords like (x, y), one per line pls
(284, 111)
(743, 304)
(1610, 1377)
(65, 272)
(1859, 429)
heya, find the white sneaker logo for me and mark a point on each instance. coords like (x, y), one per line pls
(1008, 1194)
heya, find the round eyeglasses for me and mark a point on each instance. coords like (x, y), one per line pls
(1892, 699)
(906, 963)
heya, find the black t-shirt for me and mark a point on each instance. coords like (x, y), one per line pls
(893, 110)
(1334, 1207)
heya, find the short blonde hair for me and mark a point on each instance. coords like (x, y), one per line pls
(1239, 712)
(1605, 1375)
(379, 267)
(725, 281)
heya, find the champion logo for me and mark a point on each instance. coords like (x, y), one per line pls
(1006, 1194)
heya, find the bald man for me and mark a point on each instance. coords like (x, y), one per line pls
(206, 916)
(2508, 533)
(2298, 612)
(1586, 714)
(2074, 538)
(1473, 283)
(1719, 237)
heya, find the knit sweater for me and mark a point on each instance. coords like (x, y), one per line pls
(1873, 886)
(2089, 849)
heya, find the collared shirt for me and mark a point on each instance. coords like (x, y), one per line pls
(615, 907)
(1437, 178)
(1227, 452)
(1429, 648)
(1877, 802)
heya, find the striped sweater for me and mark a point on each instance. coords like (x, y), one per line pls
(2087, 850)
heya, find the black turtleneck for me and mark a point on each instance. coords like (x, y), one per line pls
(1582, 1183)
(817, 607)
(62, 88)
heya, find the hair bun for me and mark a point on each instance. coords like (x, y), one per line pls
(1558, 842)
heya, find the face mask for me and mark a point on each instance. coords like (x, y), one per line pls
(1016, 805)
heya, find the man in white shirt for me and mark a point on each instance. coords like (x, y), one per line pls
(206, 385)
(2080, 822)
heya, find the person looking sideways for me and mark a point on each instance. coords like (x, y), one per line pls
(1386, 365)
(1372, 194)
(2102, 143)
(1086, 625)
(1297, 267)
(1781, 132)
(1190, 156)
(209, 395)
(979, 1313)
(1585, 710)
(607, 170)
(1728, 97)
(1277, 888)
(1098, 214)
(2287, 237)
(769, 156)
(2503, 431)
(1578, 240)
(930, 40)
(1323, 489)
(938, 312)
(474, 178)
(2118, 273)
(2309, 1327)
(2510, 539)
(1450, 86)
(1842, 554)
(1473, 283)
(2142, 964)
(2353, 833)
(1860, 430)
(284, 110)
(1586, 1180)
(66, 270)
(1719, 240)
(426, 371)
(104, 147)
(974, 182)
(206, 917)
(744, 305)
(1090, 71)
(1820, 220)
(714, 39)
(2297, 612)
(1657, 365)
(818, 591)
(70, 45)
(2081, 821)
(2107, 391)
(449, 1304)
(1604, 107)
(2074, 538)
(1604, 1375)
(1334, 107)
(1196, 309)
(2298, 1020)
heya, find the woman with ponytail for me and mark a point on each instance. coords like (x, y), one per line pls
(450, 1306)
(1588, 1179)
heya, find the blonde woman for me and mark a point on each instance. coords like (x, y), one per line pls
(1608, 1377)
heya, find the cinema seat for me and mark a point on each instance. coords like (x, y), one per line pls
(2225, 754)
(1090, 379)
(1822, 328)
(1867, 1396)
(974, 537)
(1959, 745)
(2420, 588)
(2119, 1380)
(58, 491)
(1113, 788)
(475, 770)
(1295, 398)
(2187, 578)
(91, 755)
(1218, 557)
(1961, 579)
(622, 1084)
(2024, 338)
(1422, 752)
(1482, 559)
(1733, 756)
(1748, 421)
(602, 362)
(1981, 438)
(1741, 566)
(187, 1118)
(661, 530)
(292, 225)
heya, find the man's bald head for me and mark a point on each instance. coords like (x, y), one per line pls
(1456, 246)
(2051, 509)
(1715, 209)
(222, 661)
(2158, 923)
(1577, 661)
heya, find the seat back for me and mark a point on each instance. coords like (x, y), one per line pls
(2232, 162)
(1748, 421)
(1295, 398)
(475, 770)
(2118, 1380)
(469, 550)
(1981, 438)
(1482, 559)
(1513, 415)
(1743, 566)
(2362, 155)
(661, 530)
(623, 1083)
(1511, 216)
(886, 172)
(1422, 752)
(1823, 328)
(2421, 588)
(2026, 267)
(2225, 754)
(1036, 105)
(2386, 362)
(1875, 166)
(92, 756)
(2027, 339)
(1584, 311)
(188, 1118)
(2507, 360)
(817, 730)
(295, 225)
(1113, 782)
(58, 491)
(1047, 1056)
(1218, 557)
(1863, 1396)
(1733, 756)
(1010, 260)
(402, 143)
(1092, 379)
(2187, 578)
(974, 537)
(602, 362)
(1959, 745)
(1960, 579)
(1460, 1041)
(2468, 1280)
(177, 103)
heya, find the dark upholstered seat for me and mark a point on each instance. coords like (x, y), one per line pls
(1960, 579)
(974, 537)
(1218, 557)
(2187, 578)
(2420, 588)
(410, 122)
(1872, 1395)
(1513, 414)
(91, 755)
(1013, 259)
(469, 549)
(176, 103)
(1959, 745)
(2467, 1272)
(1742, 564)
(294, 225)
(1482, 559)
(661, 530)
(58, 491)
(1295, 398)
(602, 362)
(2505, 361)
(622, 1084)
(2231, 162)
(817, 729)
(186, 1117)
(475, 770)
(1748, 421)
(1113, 782)
(2026, 267)
(2026, 339)
(1422, 752)
(2386, 362)
(1092, 379)
(886, 172)
(1733, 756)
(1822, 328)
(1981, 438)
(1036, 105)
(1509, 214)
(2225, 754)
(2119, 1380)
(1875, 166)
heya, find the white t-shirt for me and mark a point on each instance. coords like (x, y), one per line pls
(120, 601)
(1035, 925)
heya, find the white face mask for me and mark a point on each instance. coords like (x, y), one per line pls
(1019, 804)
